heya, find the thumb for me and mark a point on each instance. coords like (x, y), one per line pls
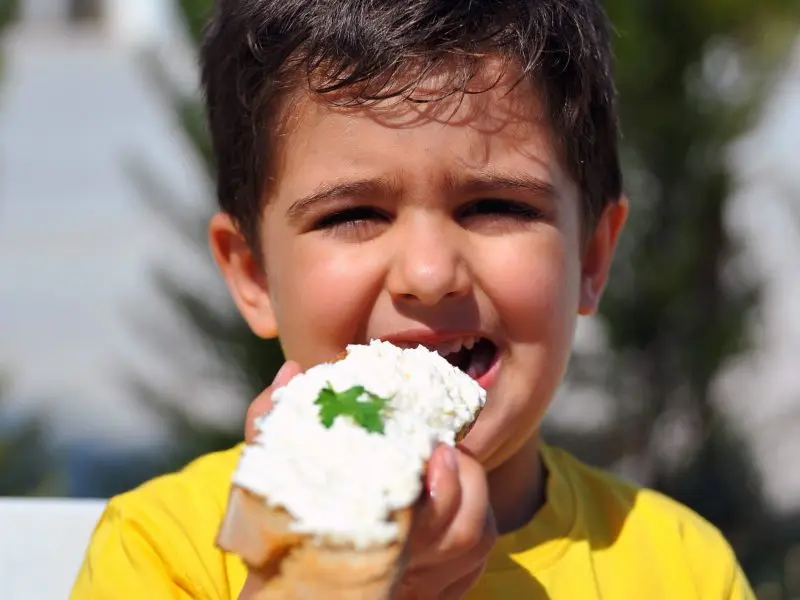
(263, 402)
(443, 499)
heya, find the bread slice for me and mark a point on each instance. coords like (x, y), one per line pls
(297, 568)
(259, 534)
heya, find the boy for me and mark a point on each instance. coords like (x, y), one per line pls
(442, 172)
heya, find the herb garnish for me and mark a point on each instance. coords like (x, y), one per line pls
(351, 403)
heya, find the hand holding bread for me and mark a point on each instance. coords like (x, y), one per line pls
(399, 513)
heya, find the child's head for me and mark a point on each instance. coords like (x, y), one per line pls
(429, 171)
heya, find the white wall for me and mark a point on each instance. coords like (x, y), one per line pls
(44, 10)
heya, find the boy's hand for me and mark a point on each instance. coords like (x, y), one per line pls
(454, 527)
(453, 532)
(263, 402)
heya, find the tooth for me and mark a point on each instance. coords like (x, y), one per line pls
(445, 348)
(454, 346)
(469, 343)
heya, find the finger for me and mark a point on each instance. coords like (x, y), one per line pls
(442, 572)
(458, 589)
(442, 580)
(263, 402)
(474, 515)
(455, 576)
(471, 530)
(441, 504)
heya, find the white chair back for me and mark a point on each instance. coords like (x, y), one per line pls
(42, 544)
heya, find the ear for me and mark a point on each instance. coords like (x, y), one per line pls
(243, 274)
(599, 253)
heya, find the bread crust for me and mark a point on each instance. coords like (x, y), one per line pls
(295, 567)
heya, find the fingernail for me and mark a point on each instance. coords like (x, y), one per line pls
(450, 459)
(449, 462)
(281, 374)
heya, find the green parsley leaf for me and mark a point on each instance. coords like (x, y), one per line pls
(366, 412)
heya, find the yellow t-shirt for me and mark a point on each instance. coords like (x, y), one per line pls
(597, 538)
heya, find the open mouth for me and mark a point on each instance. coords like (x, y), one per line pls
(474, 356)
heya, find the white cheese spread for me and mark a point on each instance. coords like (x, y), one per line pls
(341, 483)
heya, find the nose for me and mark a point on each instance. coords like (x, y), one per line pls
(428, 266)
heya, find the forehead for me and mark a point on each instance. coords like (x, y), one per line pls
(496, 122)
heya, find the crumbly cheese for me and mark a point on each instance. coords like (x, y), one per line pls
(342, 483)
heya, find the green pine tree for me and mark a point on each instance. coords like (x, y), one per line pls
(8, 12)
(27, 465)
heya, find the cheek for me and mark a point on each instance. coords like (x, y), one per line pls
(536, 289)
(320, 296)
(535, 292)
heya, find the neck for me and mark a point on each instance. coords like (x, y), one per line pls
(517, 488)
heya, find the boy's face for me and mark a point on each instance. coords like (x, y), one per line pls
(428, 223)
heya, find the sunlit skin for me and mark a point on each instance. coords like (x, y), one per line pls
(420, 223)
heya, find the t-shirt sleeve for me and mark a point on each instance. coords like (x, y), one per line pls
(740, 588)
(717, 572)
(736, 585)
(129, 557)
(158, 541)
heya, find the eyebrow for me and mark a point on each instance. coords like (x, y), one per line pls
(355, 190)
(492, 181)
(472, 184)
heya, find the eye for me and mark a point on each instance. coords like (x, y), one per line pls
(358, 220)
(496, 208)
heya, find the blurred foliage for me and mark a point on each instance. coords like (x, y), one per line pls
(27, 466)
(8, 12)
(692, 77)
(195, 15)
